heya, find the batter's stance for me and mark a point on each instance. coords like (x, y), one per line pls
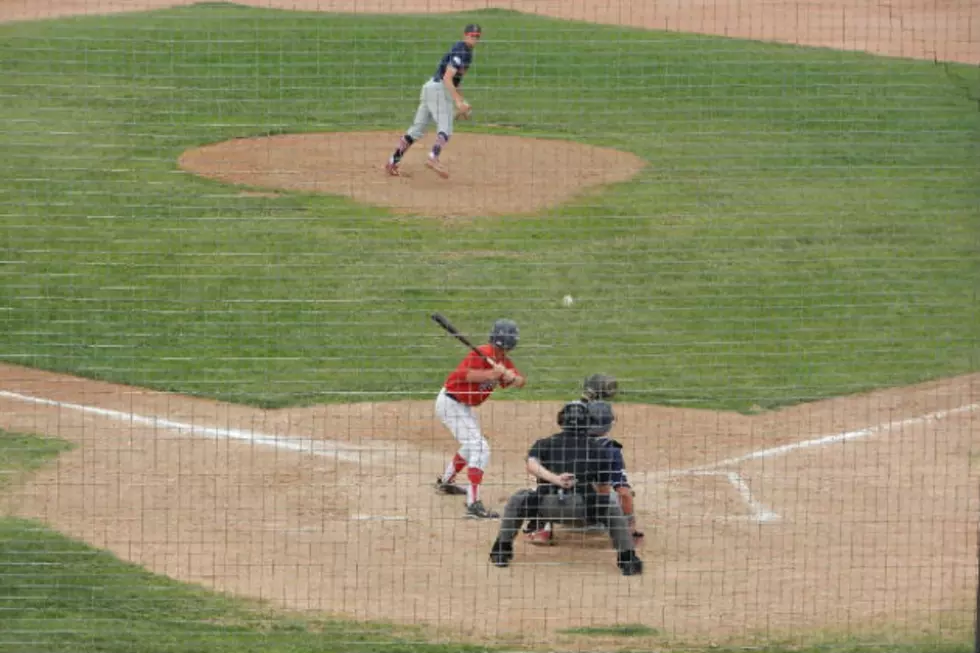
(468, 386)
(436, 101)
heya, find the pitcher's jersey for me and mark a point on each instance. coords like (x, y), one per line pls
(459, 57)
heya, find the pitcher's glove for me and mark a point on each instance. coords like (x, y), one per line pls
(464, 112)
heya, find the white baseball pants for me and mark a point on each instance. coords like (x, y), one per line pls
(462, 422)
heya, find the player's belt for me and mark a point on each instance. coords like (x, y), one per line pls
(453, 397)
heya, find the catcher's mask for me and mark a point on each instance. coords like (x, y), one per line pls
(504, 334)
(601, 418)
(600, 386)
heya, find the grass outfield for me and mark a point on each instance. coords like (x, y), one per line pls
(806, 226)
(57, 595)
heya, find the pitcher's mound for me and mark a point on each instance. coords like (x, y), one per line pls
(489, 175)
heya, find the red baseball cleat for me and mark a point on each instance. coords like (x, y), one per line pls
(540, 537)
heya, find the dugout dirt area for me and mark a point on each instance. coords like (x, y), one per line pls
(331, 509)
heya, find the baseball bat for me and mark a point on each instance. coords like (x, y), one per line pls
(442, 321)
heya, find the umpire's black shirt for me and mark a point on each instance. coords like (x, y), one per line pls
(574, 453)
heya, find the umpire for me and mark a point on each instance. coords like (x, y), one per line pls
(573, 472)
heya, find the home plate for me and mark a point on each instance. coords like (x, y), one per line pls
(379, 518)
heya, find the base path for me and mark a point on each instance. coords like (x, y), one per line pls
(331, 509)
(948, 30)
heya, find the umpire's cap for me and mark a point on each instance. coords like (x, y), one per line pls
(574, 417)
(473, 28)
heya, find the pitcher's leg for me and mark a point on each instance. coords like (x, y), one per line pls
(441, 107)
(421, 121)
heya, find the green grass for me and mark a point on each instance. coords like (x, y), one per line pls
(21, 454)
(623, 630)
(807, 225)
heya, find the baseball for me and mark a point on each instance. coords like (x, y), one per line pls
(567, 300)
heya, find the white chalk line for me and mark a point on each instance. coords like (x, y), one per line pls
(831, 439)
(757, 511)
(327, 448)
(760, 513)
(354, 454)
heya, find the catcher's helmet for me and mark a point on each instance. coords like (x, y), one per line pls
(601, 418)
(504, 334)
(574, 417)
(599, 386)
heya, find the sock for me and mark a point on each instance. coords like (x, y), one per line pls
(441, 140)
(454, 467)
(473, 492)
(403, 145)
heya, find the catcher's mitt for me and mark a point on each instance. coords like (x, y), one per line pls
(599, 386)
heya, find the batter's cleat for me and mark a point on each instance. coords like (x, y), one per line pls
(448, 488)
(392, 169)
(629, 564)
(501, 553)
(540, 537)
(477, 510)
(432, 163)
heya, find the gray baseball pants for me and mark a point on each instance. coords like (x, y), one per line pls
(435, 106)
(565, 507)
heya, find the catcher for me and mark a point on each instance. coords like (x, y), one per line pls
(573, 472)
(602, 418)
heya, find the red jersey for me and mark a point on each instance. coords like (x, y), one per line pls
(474, 394)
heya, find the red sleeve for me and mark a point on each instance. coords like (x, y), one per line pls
(472, 361)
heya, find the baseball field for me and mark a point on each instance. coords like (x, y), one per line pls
(219, 369)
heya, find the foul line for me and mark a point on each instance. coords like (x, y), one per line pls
(759, 512)
(353, 454)
(327, 448)
(830, 439)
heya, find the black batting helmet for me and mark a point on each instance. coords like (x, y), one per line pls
(504, 334)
